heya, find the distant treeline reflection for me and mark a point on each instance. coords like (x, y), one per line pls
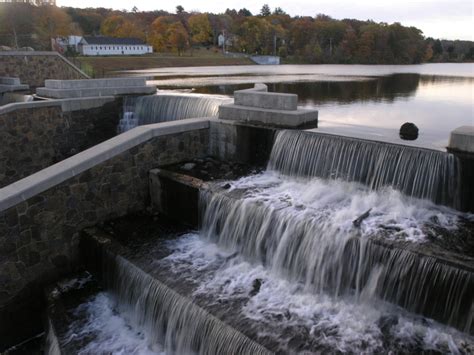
(385, 88)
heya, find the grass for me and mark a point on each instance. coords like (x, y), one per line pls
(107, 66)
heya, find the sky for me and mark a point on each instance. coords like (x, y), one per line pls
(446, 19)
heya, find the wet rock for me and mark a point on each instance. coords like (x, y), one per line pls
(409, 131)
(256, 285)
(358, 221)
(227, 186)
(188, 166)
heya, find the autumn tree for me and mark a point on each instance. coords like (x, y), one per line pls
(159, 33)
(178, 37)
(200, 29)
(51, 22)
(16, 25)
(119, 26)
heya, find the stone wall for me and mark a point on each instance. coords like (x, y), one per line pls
(240, 142)
(39, 236)
(37, 135)
(33, 68)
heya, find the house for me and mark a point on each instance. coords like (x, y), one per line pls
(102, 45)
(62, 44)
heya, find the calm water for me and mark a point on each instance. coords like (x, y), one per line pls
(364, 100)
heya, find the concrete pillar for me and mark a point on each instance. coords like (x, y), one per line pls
(461, 144)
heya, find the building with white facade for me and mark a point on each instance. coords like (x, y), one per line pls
(113, 46)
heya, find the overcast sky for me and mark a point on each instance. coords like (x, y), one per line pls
(449, 19)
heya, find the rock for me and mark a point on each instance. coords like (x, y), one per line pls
(358, 221)
(188, 166)
(256, 284)
(408, 131)
(227, 186)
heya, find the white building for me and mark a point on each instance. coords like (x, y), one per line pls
(61, 44)
(113, 46)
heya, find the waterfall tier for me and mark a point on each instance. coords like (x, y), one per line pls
(416, 172)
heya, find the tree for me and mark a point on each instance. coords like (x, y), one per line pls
(158, 37)
(178, 37)
(279, 11)
(51, 22)
(200, 29)
(118, 26)
(179, 9)
(244, 12)
(265, 11)
(16, 25)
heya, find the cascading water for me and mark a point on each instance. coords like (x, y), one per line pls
(168, 318)
(416, 172)
(303, 230)
(168, 107)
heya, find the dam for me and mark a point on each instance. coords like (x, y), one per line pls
(218, 226)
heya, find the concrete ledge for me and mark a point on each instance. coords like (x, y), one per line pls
(176, 195)
(271, 101)
(95, 83)
(11, 88)
(67, 105)
(66, 169)
(9, 84)
(462, 139)
(9, 81)
(275, 118)
(109, 91)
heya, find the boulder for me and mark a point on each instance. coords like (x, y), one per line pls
(409, 131)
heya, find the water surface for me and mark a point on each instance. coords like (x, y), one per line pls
(373, 100)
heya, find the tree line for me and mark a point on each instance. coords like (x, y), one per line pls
(298, 39)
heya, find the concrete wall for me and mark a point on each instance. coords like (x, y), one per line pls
(35, 135)
(230, 140)
(33, 68)
(41, 216)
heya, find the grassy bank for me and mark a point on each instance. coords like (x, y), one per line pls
(109, 66)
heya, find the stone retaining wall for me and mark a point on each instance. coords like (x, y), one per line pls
(36, 135)
(39, 236)
(33, 68)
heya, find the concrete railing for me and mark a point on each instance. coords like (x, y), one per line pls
(95, 83)
(61, 89)
(66, 169)
(67, 105)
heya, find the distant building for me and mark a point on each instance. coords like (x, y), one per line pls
(62, 44)
(32, 2)
(113, 46)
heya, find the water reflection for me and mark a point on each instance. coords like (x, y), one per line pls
(386, 88)
(373, 98)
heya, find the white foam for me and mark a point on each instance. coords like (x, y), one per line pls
(343, 324)
(340, 202)
(110, 331)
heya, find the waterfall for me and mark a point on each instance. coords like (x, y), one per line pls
(307, 245)
(168, 107)
(169, 318)
(416, 172)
